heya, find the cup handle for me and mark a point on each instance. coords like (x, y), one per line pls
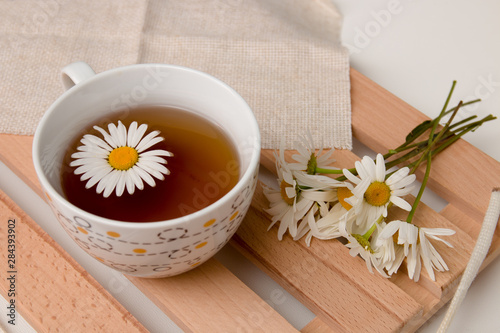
(75, 73)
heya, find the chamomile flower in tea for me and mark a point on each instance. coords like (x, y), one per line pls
(121, 159)
(117, 167)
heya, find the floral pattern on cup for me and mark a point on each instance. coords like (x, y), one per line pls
(190, 251)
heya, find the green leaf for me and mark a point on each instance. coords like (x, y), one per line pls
(418, 131)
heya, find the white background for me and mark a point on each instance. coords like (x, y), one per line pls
(414, 49)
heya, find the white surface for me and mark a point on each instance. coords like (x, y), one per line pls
(415, 53)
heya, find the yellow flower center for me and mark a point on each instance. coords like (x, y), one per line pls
(123, 158)
(378, 194)
(365, 243)
(342, 194)
(284, 196)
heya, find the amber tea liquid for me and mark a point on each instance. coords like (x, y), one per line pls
(203, 169)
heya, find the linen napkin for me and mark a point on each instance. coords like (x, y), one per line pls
(284, 57)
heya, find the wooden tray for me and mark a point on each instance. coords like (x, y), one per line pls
(338, 288)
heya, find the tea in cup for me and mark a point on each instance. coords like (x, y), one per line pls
(149, 168)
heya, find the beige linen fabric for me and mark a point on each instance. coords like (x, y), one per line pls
(283, 56)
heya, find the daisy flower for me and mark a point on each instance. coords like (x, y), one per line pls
(297, 195)
(120, 159)
(308, 160)
(413, 263)
(373, 193)
(407, 234)
(359, 245)
(283, 204)
(392, 267)
(406, 247)
(327, 227)
(416, 246)
(431, 259)
(392, 254)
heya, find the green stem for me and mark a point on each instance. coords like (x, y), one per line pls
(475, 124)
(435, 139)
(462, 121)
(443, 112)
(421, 191)
(369, 233)
(464, 104)
(331, 171)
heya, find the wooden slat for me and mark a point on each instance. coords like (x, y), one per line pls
(467, 225)
(15, 153)
(381, 121)
(211, 299)
(52, 291)
(317, 326)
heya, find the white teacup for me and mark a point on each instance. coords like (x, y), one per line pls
(147, 249)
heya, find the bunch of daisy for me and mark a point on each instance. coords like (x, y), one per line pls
(316, 200)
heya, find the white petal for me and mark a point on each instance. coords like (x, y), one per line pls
(380, 169)
(137, 136)
(91, 151)
(90, 170)
(389, 230)
(137, 180)
(129, 182)
(327, 196)
(152, 159)
(406, 181)
(401, 203)
(157, 152)
(132, 129)
(288, 178)
(369, 168)
(109, 139)
(148, 141)
(144, 175)
(110, 184)
(397, 176)
(152, 171)
(97, 177)
(113, 132)
(94, 142)
(121, 134)
(156, 166)
(438, 231)
(348, 174)
(290, 192)
(87, 161)
(297, 166)
(272, 196)
(402, 191)
(120, 185)
(426, 257)
(360, 189)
